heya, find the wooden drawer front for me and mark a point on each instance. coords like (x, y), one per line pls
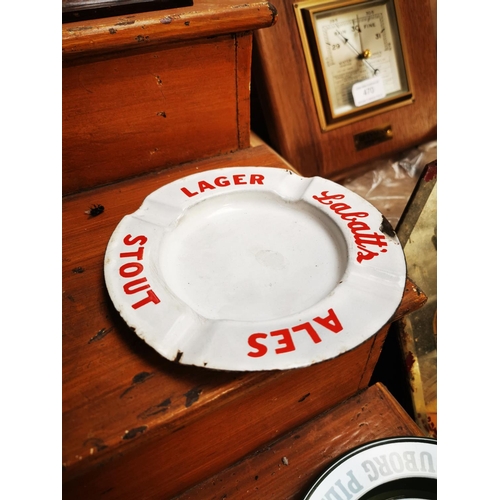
(134, 113)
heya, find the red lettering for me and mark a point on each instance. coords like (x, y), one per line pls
(366, 256)
(261, 349)
(370, 239)
(221, 181)
(238, 179)
(331, 322)
(137, 254)
(128, 287)
(285, 340)
(338, 207)
(187, 192)
(256, 179)
(327, 199)
(132, 269)
(126, 273)
(138, 239)
(204, 185)
(355, 226)
(151, 297)
(310, 330)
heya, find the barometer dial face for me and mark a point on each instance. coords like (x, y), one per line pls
(356, 55)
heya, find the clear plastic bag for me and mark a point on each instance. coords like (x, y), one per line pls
(388, 184)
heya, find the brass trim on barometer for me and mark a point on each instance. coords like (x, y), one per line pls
(348, 40)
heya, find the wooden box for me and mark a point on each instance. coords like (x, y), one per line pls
(148, 91)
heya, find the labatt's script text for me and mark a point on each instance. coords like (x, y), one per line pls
(358, 228)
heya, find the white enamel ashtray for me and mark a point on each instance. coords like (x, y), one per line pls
(254, 268)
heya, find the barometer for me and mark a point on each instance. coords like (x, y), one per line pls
(355, 58)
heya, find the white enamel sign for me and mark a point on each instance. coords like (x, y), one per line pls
(392, 468)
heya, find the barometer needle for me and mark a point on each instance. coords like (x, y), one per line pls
(360, 56)
(359, 33)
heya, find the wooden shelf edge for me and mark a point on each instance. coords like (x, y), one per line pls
(287, 467)
(136, 31)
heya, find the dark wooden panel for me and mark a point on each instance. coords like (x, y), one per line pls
(78, 5)
(80, 10)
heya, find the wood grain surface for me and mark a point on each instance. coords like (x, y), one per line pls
(148, 91)
(204, 19)
(134, 421)
(124, 116)
(288, 467)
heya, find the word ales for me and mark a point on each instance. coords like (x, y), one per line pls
(284, 337)
(358, 228)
